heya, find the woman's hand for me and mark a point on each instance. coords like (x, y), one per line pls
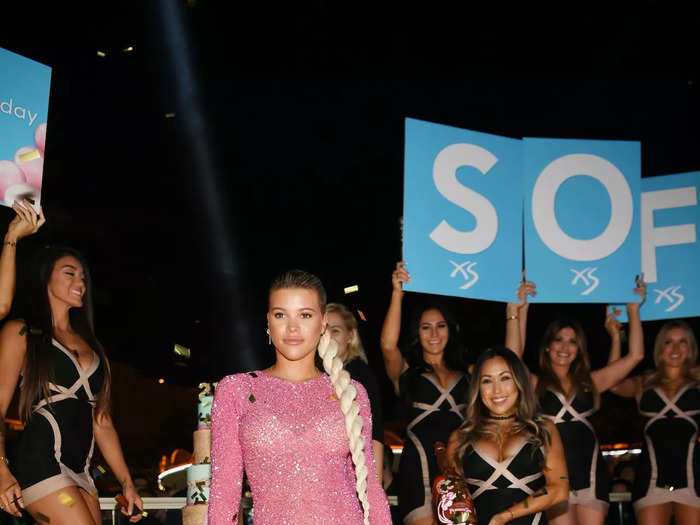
(133, 498)
(525, 288)
(501, 518)
(400, 276)
(612, 323)
(641, 290)
(25, 223)
(10, 494)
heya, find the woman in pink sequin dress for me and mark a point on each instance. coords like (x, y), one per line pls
(304, 437)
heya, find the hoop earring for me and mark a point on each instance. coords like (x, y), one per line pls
(269, 337)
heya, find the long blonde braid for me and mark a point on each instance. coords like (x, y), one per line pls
(346, 392)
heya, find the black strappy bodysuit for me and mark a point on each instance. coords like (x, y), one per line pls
(55, 448)
(497, 485)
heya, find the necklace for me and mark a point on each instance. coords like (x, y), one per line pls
(508, 415)
(500, 418)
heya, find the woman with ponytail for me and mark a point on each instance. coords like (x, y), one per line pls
(303, 435)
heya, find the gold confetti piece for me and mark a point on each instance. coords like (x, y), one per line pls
(65, 499)
(30, 155)
(170, 115)
(351, 289)
(101, 469)
(206, 404)
(182, 351)
(251, 398)
(333, 396)
(144, 513)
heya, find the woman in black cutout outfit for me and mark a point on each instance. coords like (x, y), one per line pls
(64, 399)
(667, 482)
(432, 381)
(511, 457)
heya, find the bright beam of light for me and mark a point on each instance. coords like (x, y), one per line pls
(191, 115)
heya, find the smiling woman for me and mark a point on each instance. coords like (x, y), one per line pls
(667, 482)
(303, 436)
(65, 399)
(431, 377)
(569, 393)
(504, 436)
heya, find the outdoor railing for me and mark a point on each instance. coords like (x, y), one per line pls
(110, 505)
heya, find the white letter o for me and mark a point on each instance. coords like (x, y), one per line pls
(621, 207)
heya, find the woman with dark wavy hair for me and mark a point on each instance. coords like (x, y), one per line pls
(432, 380)
(569, 392)
(64, 401)
(667, 482)
(511, 457)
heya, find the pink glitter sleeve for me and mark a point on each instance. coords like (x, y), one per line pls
(226, 457)
(379, 513)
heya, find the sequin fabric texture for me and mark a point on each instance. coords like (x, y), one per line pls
(290, 438)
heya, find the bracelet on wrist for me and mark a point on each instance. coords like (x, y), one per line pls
(511, 317)
(10, 243)
(512, 516)
(5, 460)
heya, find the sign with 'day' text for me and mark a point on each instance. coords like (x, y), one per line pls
(24, 105)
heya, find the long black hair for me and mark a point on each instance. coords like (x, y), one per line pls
(37, 315)
(454, 354)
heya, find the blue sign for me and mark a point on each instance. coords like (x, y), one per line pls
(670, 218)
(582, 234)
(24, 106)
(462, 212)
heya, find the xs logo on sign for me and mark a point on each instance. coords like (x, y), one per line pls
(671, 295)
(589, 280)
(470, 276)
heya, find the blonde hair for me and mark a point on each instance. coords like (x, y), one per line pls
(355, 348)
(690, 369)
(340, 379)
(346, 393)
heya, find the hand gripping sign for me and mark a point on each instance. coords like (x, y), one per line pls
(462, 211)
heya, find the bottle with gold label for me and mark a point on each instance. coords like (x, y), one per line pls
(452, 501)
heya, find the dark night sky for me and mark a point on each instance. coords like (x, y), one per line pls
(303, 110)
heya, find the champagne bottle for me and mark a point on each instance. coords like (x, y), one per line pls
(452, 501)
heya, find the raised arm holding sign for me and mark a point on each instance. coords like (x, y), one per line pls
(569, 392)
